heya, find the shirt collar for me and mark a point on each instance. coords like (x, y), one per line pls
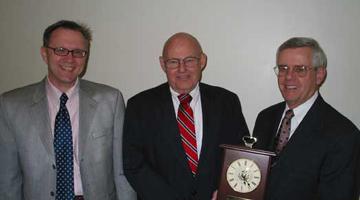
(301, 110)
(195, 94)
(54, 93)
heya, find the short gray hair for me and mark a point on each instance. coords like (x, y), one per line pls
(318, 56)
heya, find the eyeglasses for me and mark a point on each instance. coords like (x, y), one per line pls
(189, 62)
(299, 70)
(76, 53)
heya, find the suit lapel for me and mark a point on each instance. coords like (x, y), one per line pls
(86, 114)
(40, 115)
(170, 127)
(308, 126)
(210, 120)
(278, 116)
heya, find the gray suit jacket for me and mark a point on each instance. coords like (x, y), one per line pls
(27, 169)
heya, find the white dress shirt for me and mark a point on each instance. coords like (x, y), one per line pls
(195, 105)
(53, 96)
(299, 113)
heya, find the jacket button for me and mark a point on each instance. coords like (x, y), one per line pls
(53, 166)
(52, 193)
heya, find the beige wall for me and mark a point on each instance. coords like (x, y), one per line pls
(239, 36)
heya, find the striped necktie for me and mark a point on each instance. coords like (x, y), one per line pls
(185, 119)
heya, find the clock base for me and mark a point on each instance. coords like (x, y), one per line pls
(232, 153)
(235, 198)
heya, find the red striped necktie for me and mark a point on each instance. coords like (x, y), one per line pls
(185, 119)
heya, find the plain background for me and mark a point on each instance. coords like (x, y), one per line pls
(240, 38)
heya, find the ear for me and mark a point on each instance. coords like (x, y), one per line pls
(44, 54)
(203, 61)
(320, 75)
(162, 63)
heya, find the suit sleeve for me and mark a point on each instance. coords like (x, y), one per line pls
(257, 131)
(337, 178)
(233, 128)
(123, 189)
(234, 124)
(242, 126)
(10, 172)
(147, 182)
(263, 131)
(357, 170)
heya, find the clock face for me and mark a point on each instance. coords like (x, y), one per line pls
(243, 175)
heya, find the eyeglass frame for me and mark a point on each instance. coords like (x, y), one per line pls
(300, 70)
(179, 61)
(56, 49)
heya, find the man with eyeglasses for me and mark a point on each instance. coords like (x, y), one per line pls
(316, 146)
(61, 138)
(172, 132)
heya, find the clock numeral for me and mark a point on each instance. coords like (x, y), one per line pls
(243, 175)
(249, 186)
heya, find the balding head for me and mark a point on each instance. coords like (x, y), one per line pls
(179, 39)
(183, 61)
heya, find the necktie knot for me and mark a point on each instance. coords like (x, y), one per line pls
(185, 99)
(63, 100)
(289, 114)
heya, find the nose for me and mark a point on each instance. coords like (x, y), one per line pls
(289, 73)
(182, 66)
(69, 57)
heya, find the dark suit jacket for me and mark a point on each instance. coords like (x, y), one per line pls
(154, 160)
(319, 160)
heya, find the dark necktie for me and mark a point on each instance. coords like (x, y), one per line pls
(284, 131)
(186, 126)
(63, 147)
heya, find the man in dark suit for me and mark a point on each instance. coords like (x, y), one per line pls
(47, 144)
(317, 160)
(156, 157)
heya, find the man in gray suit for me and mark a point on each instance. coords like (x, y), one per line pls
(32, 145)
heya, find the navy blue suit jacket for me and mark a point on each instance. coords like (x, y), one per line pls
(319, 160)
(154, 160)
